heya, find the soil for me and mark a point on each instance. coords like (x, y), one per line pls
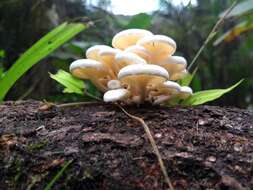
(98, 147)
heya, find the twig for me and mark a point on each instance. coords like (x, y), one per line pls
(99, 101)
(48, 105)
(212, 33)
(73, 104)
(153, 144)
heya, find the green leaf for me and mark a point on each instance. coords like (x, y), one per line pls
(37, 52)
(240, 8)
(58, 175)
(141, 20)
(196, 84)
(91, 89)
(204, 96)
(1, 73)
(186, 81)
(71, 84)
(2, 53)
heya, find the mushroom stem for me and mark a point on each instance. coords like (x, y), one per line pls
(102, 82)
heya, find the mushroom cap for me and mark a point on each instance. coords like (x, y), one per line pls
(185, 92)
(136, 78)
(129, 37)
(173, 64)
(116, 95)
(81, 67)
(159, 45)
(93, 70)
(143, 69)
(107, 56)
(172, 85)
(114, 84)
(94, 51)
(123, 59)
(165, 88)
(140, 51)
(162, 92)
(108, 51)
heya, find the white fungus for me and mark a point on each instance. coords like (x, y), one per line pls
(139, 67)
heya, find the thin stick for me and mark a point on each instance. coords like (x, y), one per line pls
(73, 104)
(153, 144)
(212, 33)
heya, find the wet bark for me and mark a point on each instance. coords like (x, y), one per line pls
(204, 147)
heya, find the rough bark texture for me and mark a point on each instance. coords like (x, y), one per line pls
(204, 147)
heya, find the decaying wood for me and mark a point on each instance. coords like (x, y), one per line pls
(204, 147)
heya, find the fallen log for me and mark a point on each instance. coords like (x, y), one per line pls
(97, 146)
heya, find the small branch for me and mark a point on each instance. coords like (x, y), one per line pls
(58, 175)
(73, 104)
(76, 104)
(153, 144)
(212, 33)
(49, 105)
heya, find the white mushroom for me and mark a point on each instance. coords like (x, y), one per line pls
(173, 64)
(93, 52)
(129, 37)
(140, 51)
(185, 92)
(139, 68)
(93, 70)
(107, 56)
(116, 95)
(104, 54)
(159, 46)
(135, 78)
(123, 59)
(113, 84)
(163, 92)
(172, 85)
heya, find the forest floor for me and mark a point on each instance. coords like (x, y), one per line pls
(99, 147)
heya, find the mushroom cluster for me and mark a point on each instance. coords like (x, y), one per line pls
(139, 67)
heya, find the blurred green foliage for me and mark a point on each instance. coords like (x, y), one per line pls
(141, 20)
(38, 51)
(2, 54)
(226, 59)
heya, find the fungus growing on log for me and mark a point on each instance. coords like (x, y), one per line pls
(139, 67)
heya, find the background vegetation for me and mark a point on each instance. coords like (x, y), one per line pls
(225, 60)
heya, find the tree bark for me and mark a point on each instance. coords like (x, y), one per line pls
(204, 147)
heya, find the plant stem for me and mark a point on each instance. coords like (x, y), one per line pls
(58, 175)
(212, 33)
(153, 144)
